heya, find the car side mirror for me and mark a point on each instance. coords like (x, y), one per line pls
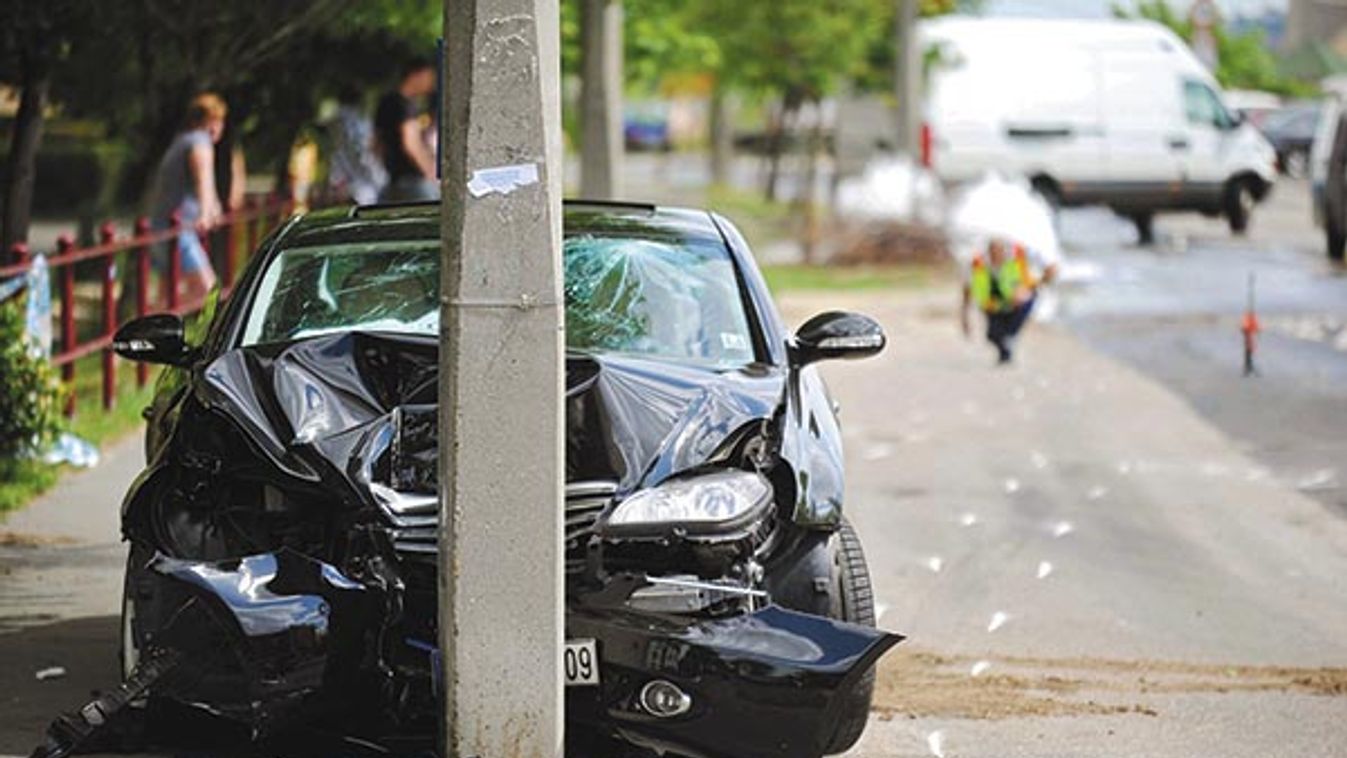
(837, 334)
(153, 339)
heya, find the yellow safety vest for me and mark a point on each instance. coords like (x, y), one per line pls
(1013, 274)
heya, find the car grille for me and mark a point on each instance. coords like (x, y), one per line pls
(414, 517)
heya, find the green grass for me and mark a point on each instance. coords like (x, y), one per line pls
(21, 481)
(795, 278)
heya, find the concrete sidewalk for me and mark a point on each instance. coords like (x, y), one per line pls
(1084, 565)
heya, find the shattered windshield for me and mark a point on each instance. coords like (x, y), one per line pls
(665, 299)
(311, 291)
(677, 300)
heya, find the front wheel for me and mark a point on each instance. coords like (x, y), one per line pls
(853, 600)
(1144, 221)
(1239, 203)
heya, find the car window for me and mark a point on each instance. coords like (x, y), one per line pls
(667, 299)
(673, 299)
(306, 292)
(1202, 106)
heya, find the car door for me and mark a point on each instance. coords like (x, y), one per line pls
(1207, 135)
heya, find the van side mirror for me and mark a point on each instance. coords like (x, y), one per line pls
(153, 339)
(836, 334)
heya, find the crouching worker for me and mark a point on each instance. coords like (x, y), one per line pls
(1004, 285)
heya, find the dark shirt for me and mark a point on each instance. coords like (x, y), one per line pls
(395, 110)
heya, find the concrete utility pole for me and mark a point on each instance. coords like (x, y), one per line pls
(907, 79)
(601, 99)
(500, 380)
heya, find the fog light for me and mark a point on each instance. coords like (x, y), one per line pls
(664, 699)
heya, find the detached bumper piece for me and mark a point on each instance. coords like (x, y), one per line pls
(761, 684)
(71, 730)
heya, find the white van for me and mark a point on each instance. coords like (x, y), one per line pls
(1116, 113)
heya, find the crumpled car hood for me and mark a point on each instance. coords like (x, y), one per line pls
(324, 407)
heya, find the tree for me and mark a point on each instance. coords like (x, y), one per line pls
(35, 36)
(1246, 61)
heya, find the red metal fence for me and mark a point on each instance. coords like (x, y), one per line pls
(239, 232)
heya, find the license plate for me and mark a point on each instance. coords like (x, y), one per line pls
(580, 662)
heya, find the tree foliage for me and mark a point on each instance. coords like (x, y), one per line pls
(29, 395)
(1246, 61)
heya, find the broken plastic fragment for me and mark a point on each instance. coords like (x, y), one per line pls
(51, 672)
(999, 620)
(968, 519)
(935, 563)
(1044, 568)
(1039, 460)
(880, 610)
(979, 668)
(935, 741)
(1012, 486)
(1062, 528)
(1096, 492)
(878, 452)
(1323, 479)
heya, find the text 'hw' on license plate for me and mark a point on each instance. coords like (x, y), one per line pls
(580, 661)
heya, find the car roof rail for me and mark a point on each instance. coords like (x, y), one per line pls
(356, 210)
(625, 204)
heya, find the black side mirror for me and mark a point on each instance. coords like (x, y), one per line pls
(153, 339)
(837, 334)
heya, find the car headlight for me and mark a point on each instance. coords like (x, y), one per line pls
(710, 502)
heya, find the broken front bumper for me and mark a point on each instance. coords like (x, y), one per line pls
(771, 682)
(768, 683)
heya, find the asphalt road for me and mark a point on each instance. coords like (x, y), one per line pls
(1107, 550)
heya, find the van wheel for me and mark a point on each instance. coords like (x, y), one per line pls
(853, 601)
(1239, 203)
(1145, 224)
(1049, 191)
(1337, 241)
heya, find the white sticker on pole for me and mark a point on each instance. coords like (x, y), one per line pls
(502, 179)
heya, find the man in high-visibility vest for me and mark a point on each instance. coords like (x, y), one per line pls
(1003, 285)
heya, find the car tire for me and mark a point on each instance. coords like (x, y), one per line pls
(853, 602)
(1239, 203)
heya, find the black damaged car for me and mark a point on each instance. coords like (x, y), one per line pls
(281, 571)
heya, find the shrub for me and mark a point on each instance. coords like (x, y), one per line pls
(29, 394)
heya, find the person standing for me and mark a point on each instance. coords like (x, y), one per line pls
(185, 190)
(397, 128)
(1004, 284)
(355, 172)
